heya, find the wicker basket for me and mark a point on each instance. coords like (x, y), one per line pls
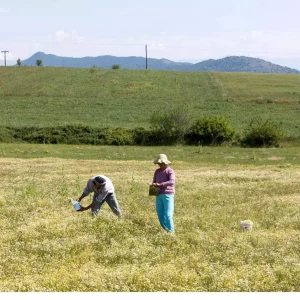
(153, 190)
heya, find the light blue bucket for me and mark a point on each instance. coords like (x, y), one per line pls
(76, 205)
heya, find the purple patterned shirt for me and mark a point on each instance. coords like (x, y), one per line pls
(167, 178)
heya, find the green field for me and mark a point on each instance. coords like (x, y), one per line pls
(44, 96)
(281, 157)
(46, 246)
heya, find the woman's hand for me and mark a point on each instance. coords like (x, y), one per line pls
(156, 184)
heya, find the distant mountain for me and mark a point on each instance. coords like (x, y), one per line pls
(106, 61)
(288, 62)
(227, 64)
(241, 64)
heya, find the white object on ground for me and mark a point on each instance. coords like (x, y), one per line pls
(76, 204)
(246, 225)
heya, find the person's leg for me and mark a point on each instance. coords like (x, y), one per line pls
(168, 201)
(160, 210)
(96, 208)
(112, 201)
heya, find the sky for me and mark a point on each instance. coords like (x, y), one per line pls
(179, 30)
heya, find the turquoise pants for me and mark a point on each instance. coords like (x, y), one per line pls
(165, 211)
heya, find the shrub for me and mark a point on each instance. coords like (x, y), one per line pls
(6, 135)
(118, 136)
(262, 134)
(93, 69)
(70, 134)
(115, 67)
(39, 62)
(169, 127)
(211, 130)
(145, 137)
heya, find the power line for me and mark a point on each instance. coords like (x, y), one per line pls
(5, 51)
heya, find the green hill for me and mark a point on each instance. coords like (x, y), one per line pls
(46, 96)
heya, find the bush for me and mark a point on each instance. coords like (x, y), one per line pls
(116, 67)
(6, 135)
(93, 69)
(212, 130)
(70, 134)
(169, 127)
(262, 134)
(39, 62)
(118, 136)
(145, 137)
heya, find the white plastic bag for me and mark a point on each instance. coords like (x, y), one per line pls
(76, 204)
(246, 225)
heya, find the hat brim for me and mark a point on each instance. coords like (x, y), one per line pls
(162, 161)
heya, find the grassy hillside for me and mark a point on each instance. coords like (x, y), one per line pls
(44, 96)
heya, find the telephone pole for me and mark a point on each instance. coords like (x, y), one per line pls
(146, 58)
(5, 51)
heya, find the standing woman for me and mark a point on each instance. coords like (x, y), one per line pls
(164, 178)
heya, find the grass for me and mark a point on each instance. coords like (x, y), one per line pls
(44, 96)
(46, 246)
(190, 154)
(259, 88)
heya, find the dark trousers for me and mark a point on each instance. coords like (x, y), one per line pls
(111, 200)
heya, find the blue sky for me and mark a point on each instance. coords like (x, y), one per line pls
(190, 30)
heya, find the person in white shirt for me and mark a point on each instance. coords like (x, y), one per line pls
(104, 191)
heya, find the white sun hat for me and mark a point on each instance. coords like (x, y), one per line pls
(162, 159)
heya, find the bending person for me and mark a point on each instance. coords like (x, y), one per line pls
(104, 191)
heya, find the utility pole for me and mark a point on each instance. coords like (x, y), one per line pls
(146, 58)
(5, 51)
